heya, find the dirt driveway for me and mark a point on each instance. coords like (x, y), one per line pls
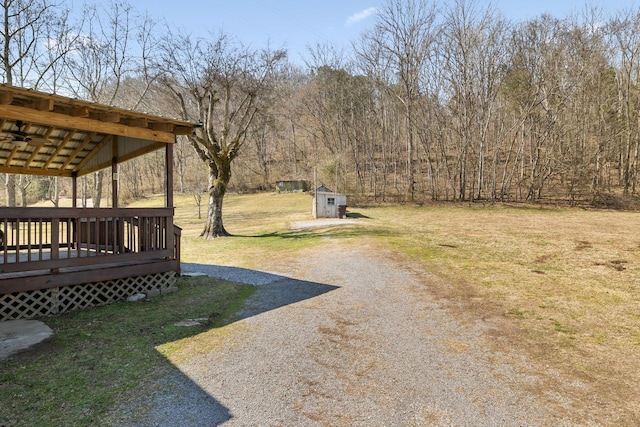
(347, 337)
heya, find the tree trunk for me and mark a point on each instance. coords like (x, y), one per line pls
(23, 195)
(219, 177)
(55, 195)
(97, 189)
(10, 188)
(84, 191)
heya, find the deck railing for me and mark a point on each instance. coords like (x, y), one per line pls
(36, 241)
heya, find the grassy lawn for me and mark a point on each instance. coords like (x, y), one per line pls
(104, 357)
(566, 280)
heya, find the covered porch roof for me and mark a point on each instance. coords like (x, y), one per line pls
(51, 135)
(67, 248)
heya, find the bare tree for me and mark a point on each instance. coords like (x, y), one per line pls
(402, 39)
(475, 57)
(61, 35)
(54, 190)
(625, 32)
(23, 182)
(217, 83)
(183, 153)
(101, 59)
(23, 33)
(109, 62)
(24, 29)
(262, 134)
(197, 197)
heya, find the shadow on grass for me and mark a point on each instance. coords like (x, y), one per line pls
(105, 367)
(184, 399)
(356, 215)
(274, 291)
(321, 232)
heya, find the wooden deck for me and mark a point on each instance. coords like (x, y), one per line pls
(53, 260)
(55, 247)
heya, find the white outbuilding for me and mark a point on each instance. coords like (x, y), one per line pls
(327, 204)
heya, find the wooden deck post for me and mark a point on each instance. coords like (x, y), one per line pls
(55, 241)
(169, 196)
(169, 174)
(74, 190)
(114, 172)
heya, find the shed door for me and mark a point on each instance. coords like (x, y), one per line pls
(332, 207)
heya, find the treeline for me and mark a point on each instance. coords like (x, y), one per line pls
(435, 101)
(460, 104)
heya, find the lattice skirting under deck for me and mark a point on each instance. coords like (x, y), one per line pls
(27, 305)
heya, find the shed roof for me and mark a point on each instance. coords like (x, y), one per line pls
(44, 134)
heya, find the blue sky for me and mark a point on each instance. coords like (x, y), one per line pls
(295, 24)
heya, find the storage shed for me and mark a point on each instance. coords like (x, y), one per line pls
(329, 205)
(292, 186)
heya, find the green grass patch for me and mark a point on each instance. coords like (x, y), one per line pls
(105, 356)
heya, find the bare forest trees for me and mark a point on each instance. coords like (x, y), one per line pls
(463, 105)
(25, 29)
(625, 36)
(397, 53)
(102, 57)
(436, 100)
(474, 57)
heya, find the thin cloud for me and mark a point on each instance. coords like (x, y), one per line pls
(360, 16)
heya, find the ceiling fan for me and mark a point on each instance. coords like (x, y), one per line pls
(21, 138)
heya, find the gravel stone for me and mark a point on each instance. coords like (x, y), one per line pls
(136, 297)
(21, 334)
(347, 338)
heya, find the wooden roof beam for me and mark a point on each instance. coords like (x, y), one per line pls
(140, 122)
(109, 117)
(43, 104)
(183, 130)
(121, 159)
(79, 112)
(14, 112)
(33, 171)
(80, 168)
(164, 127)
(32, 156)
(27, 97)
(14, 151)
(106, 140)
(6, 97)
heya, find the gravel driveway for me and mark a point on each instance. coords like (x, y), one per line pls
(347, 338)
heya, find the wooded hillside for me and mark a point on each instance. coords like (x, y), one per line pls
(446, 102)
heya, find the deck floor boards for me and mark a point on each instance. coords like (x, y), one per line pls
(45, 255)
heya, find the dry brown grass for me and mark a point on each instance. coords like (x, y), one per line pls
(563, 284)
(568, 279)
